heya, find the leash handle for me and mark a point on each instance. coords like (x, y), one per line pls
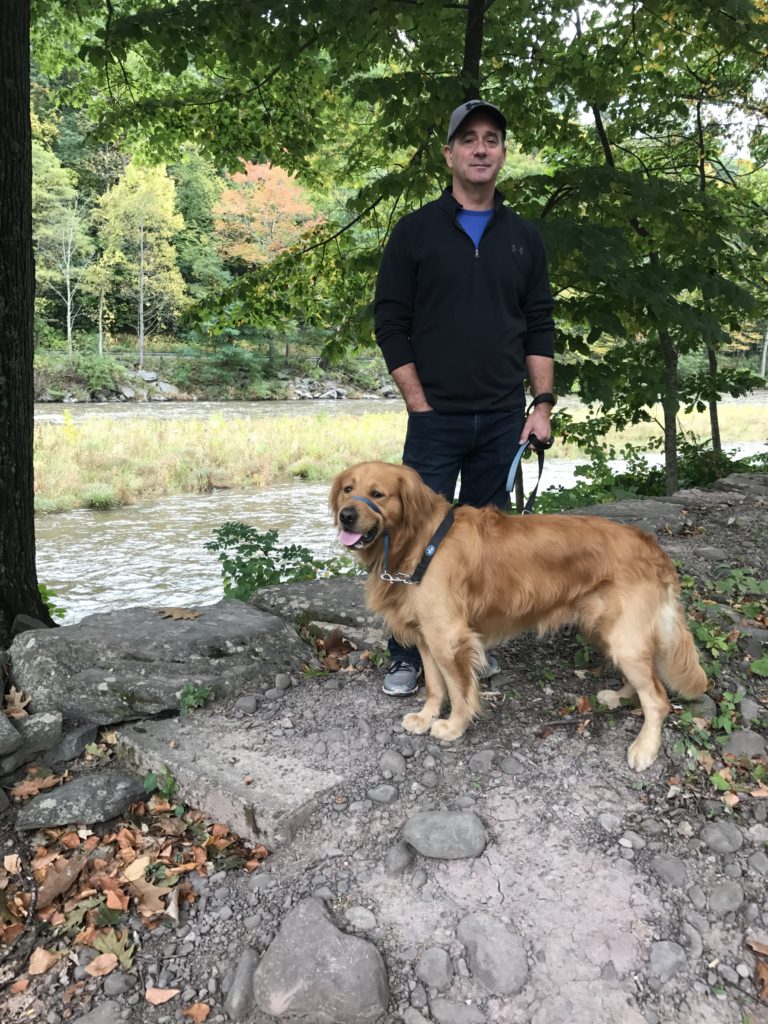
(539, 447)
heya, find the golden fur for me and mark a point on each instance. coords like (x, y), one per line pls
(496, 575)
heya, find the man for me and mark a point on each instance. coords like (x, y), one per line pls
(463, 314)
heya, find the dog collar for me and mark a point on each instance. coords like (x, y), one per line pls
(429, 551)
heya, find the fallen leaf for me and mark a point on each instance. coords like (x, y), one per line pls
(101, 965)
(761, 792)
(33, 785)
(583, 706)
(42, 960)
(20, 985)
(197, 1011)
(12, 863)
(136, 870)
(117, 900)
(116, 943)
(218, 831)
(730, 799)
(60, 876)
(761, 980)
(156, 996)
(15, 703)
(178, 613)
(757, 945)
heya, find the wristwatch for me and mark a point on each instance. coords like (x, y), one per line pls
(546, 397)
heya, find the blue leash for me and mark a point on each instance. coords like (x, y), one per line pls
(539, 447)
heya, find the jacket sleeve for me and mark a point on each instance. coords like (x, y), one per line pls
(394, 302)
(538, 304)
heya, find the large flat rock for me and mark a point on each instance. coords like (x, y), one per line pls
(338, 601)
(133, 663)
(211, 761)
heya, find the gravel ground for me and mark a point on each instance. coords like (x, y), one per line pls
(627, 897)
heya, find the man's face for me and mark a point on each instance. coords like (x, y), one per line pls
(476, 153)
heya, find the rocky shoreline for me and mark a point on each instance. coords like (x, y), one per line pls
(523, 875)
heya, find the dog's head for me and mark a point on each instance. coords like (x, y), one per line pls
(372, 498)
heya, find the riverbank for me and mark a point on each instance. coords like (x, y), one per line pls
(102, 463)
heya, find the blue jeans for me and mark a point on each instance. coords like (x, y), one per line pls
(479, 446)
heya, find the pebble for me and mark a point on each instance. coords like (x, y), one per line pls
(384, 794)
(759, 862)
(609, 822)
(392, 761)
(434, 968)
(670, 870)
(666, 959)
(721, 836)
(726, 897)
(361, 918)
(511, 765)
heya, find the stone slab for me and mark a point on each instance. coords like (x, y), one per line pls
(339, 601)
(131, 663)
(210, 763)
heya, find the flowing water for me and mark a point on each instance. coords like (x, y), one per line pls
(153, 553)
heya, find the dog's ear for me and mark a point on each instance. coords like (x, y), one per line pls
(418, 500)
(336, 486)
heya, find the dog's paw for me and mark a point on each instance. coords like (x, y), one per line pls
(610, 698)
(642, 754)
(444, 729)
(416, 723)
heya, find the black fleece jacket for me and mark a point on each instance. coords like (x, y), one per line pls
(466, 317)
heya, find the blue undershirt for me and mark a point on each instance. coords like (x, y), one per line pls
(474, 223)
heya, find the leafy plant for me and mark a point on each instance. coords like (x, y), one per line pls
(161, 782)
(251, 560)
(194, 696)
(50, 600)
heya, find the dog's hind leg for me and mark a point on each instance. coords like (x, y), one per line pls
(641, 676)
(437, 695)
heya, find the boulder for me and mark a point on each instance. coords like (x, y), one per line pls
(98, 796)
(133, 663)
(38, 733)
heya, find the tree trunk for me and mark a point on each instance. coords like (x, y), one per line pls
(101, 320)
(714, 414)
(764, 358)
(671, 404)
(473, 48)
(18, 575)
(140, 328)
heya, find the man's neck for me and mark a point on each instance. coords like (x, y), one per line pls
(474, 199)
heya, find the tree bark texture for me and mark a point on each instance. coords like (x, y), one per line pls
(473, 48)
(18, 575)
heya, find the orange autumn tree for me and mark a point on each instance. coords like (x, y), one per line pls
(263, 213)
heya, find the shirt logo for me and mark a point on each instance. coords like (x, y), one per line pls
(519, 249)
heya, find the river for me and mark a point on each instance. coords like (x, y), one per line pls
(153, 553)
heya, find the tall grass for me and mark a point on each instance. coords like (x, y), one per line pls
(103, 463)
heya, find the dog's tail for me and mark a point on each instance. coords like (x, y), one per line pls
(677, 660)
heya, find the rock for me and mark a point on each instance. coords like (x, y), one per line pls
(511, 765)
(434, 968)
(38, 733)
(712, 554)
(670, 870)
(104, 1013)
(726, 897)
(313, 970)
(149, 376)
(667, 958)
(25, 623)
(702, 707)
(748, 709)
(10, 737)
(96, 797)
(399, 858)
(497, 957)
(721, 836)
(360, 918)
(449, 835)
(240, 999)
(481, 762)
(248, 704)
(446, 1012)
(383, 794)
(133, 663)
(118, 984)
(745, 743)
(73, 743)
(392, 761)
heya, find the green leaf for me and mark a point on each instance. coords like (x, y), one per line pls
(719, 782)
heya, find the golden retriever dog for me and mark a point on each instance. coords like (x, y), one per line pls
(494, 576)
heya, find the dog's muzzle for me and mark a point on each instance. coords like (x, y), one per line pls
(349, 536)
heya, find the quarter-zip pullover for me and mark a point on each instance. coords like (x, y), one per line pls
(466, 315)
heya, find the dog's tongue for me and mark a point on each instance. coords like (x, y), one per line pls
(349, 539)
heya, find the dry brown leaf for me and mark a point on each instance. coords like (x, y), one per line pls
(42, 960)
(59, 877)
(148, 896)
(15, 703)
(136, 870)
(761, 792)
(218, 831)
(179, 613)
(730, 799)
(157, 996)
(101, 965)
(706, 759)
(33, 785)
(12, 863)
(197, 1011)
(757, 945)
(761, 980)
(20, 985)
(583, 706)
(117, 900)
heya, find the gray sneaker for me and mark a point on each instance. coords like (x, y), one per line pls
(490, 668)
(402, 679)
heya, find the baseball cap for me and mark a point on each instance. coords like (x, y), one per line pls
(462, 112)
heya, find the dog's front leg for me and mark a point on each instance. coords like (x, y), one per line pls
(436, 696)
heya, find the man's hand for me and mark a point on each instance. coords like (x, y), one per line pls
(538, 423)
(409, 385)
